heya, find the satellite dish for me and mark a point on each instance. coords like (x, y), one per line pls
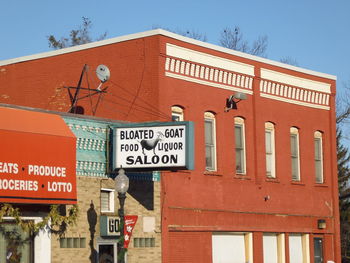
(103, 73)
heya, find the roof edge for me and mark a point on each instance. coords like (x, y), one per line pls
(63, 114)
(166, 34)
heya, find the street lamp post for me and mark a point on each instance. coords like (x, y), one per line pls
(121, 186)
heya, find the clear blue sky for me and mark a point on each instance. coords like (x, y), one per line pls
(313, 32)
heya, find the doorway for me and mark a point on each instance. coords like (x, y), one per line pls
(107, 251)
(318, 250)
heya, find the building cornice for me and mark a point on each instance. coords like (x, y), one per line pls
(166, 34)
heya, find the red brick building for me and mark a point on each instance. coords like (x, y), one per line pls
(264, 187)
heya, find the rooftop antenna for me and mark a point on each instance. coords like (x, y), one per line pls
(103, 74)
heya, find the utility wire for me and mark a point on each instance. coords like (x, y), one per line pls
(144, 109)
(138, 108)
(148, 109)
(140, 83)
(164, 115)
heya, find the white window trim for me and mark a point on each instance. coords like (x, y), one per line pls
(318, 135)
(111, 200)
(248, 243)
(305, 246)
(281, 246)
(271, 128)
(240, 122)
(210, 116)
(281, 241)
(248, 238)
(177, 111)
(295, 131)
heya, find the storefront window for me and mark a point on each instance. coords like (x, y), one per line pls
(15, 244)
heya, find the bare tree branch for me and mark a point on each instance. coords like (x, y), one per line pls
(232, 38)
(79, 36)
(290, 61)
(343, 105)
(187, 33)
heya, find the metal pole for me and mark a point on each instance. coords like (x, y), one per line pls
(121, 198)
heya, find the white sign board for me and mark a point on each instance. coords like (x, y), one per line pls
(150, 147)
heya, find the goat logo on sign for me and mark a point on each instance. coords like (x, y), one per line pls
(151, 144)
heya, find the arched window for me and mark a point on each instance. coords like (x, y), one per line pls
(295, 157)
(318, 157)
(270, 150)
(177, 113)
(240, 146)
(210, 141)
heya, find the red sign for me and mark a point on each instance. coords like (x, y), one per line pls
(37, 158)
(130, 222)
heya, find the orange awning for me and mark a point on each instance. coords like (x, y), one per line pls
(37, 158)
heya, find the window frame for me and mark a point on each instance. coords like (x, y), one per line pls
(177, 112)
(280, 246)
(318, 160)
(294, 133)
(319, 258)
(247, 240)
(210, 118)
(240, 123)
(270, 128)
(111, 242)
(41, 240)
(110, 200)
(304, 245)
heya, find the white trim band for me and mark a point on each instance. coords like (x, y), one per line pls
(209, 60)
(207, 83)
(295, 81)
(295, 102)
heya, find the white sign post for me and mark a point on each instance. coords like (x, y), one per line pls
(150, 147)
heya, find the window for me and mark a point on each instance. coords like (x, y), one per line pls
(177, 113)
(274, 248)
(16, 245)
(294, 145)
(210, 141)
(240, 146)
(299, 249)
(232, 247)
(318, 157)
(73, 242)
(270, 149)
(107, 200)
(144, 242)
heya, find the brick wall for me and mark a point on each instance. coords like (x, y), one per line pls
(89, 204)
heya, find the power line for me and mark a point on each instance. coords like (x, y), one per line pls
(138, 108)
(145, 109)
